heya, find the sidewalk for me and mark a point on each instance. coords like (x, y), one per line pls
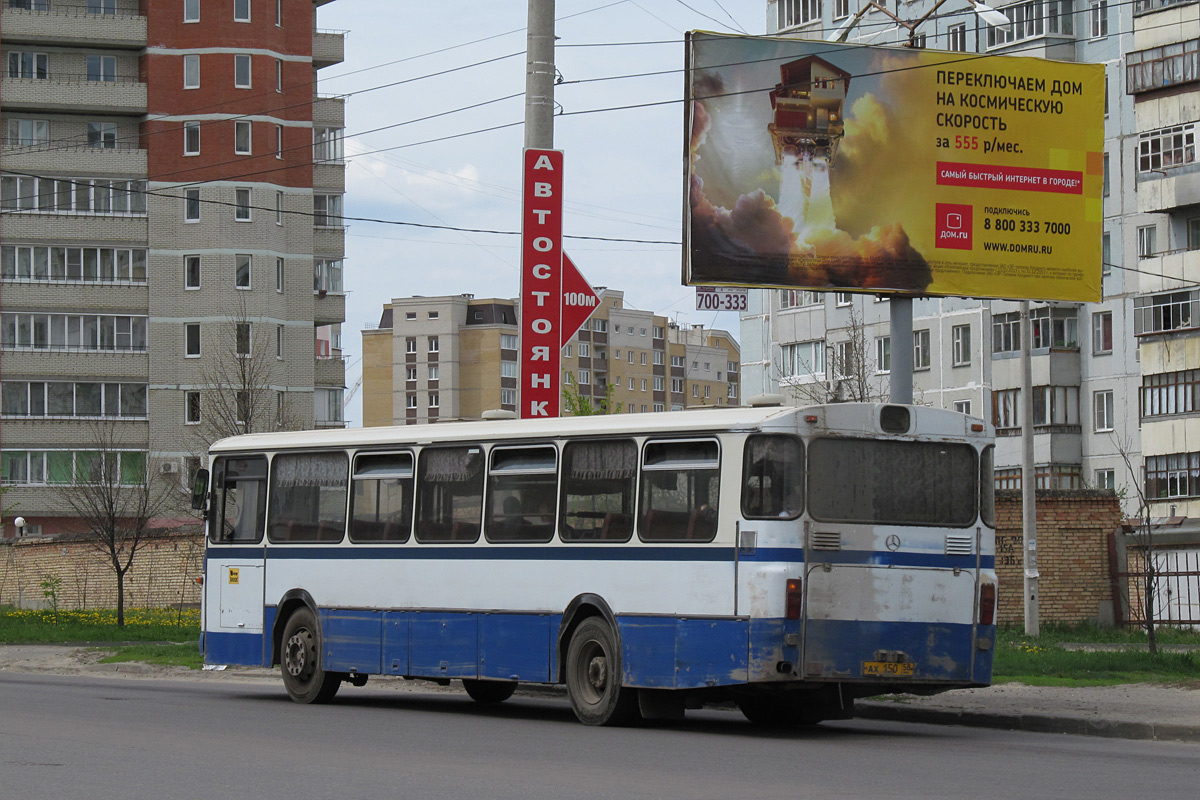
(1129, 711)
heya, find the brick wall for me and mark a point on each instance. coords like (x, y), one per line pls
(163, 573)
(1072, 536)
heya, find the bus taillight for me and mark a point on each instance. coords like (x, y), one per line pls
(987, 604)
(794, 598)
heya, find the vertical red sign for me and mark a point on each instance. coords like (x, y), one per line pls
(541, 283)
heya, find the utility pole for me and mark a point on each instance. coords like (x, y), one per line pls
(901, 378)
(539, 75)
(1028, 477)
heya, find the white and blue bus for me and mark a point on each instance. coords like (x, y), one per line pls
(787, 559)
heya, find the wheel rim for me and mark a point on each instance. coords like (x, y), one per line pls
(593, 668)
(297, 658)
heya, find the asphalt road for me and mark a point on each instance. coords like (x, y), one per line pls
(100, 738)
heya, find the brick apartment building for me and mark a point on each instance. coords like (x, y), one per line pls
(171, 183)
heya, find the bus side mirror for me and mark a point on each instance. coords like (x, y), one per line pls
(199, 489)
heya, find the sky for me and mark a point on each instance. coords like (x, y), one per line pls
(418, 152)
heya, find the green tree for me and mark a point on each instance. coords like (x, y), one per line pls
(576, 405)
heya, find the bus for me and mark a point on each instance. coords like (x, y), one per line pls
(788, 560)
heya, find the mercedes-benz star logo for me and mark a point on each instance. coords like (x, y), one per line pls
(893, 542)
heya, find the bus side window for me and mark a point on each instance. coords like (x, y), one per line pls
(681, 482)
(240, 485)
(450, 494)
(522, 489)
(382, 499)
(773, 478)
(308, 497)
(598, 491)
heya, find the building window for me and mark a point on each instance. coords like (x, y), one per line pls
(191, 405)
(1102, 411)
(842, 299)
(102, 68)
(677, 385)
(279, 341)
(327, 275)
(585, 377)
(660, 383)
(883, 354)
(642, 356)
(508, 341)
(1170, 393)
(191, 72)
(658, 332)
(630, 354)
(23, 64)
(1147, 241)
(77, 264)
(1031, 19)
(28, 132)
(1171, 311)
(191, 138)
(956, 38)
(1175, 475)
(643, 382)
(410, 344)
(191, 10)
(279, 141)
(961, 340)
(600, 325)
(1106, 253)
(410, 401)
(963, 407)
(279, 75)
(242, 339)
(585, 350)
(327, 210)
(279, 208)
(102, 134)
(241, 71)
(1101, 332)
(433, 344)
(695, 390)
(803, 360)
(1107, 177)
(65, 399)
(241, 205)
(1105, 479)
(327, 144)
(798, 12)
(241, 271)
(434, 400)
(845, 360)
(508, 369)
(410, 374)
(659, 357)
(434, 372)
(508, 397)
(191, 205)
(921, 349)
(1006, 333)
(1006, 408)
(1098, 17)
(191, 272)
(279, 274)
(841, 8)
(191, 336)
(241, 10)
(241, 137)
(677, 361)
(1158, 67)
(1057, 328)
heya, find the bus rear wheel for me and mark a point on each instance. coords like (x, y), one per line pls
(489, 692)
(594, 677)
(300, 661)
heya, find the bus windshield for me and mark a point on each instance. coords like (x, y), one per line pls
(888, 481)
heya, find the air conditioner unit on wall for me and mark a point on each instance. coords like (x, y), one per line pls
(168, 468)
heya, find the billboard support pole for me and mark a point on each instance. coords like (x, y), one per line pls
(902, 350)
(539, 75)
(1028, 477)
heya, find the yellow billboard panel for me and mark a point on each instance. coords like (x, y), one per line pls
(829, 166)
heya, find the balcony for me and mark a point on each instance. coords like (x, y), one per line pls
(70, 93)
(1161, 190)
(58, 296)
(329, 176)
(329, 111)
(97, 364)
(66, 24)
(58, 158)
(31, 226)
(329, 242)
(329, 308)
(1174, 270)
(329, 48)
(330, 371)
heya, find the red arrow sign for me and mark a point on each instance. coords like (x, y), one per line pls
(579, 300)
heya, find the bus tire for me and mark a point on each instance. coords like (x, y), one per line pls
(594, 677)
(300, 661)
(489, 692)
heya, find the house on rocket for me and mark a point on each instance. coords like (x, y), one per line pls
(808, 103)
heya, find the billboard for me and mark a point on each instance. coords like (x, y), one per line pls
(831, 166)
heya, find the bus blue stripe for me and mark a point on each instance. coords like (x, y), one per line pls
(605, 553)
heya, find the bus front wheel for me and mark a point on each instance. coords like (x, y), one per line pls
(594, 677)
(300, 661)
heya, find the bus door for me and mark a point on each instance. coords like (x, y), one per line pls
(891, 560)
(234, 580)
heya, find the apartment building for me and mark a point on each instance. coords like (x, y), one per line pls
(454, 357)
(172, 196)
(1092, 361)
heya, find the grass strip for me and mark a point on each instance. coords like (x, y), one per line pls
(19, 626)
(170, 655)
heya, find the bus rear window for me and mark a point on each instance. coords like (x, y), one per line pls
(892, 482)
(308, 497)
(382, 498)
(450, 498)
(681, 482)
(773, 478)
(597, 494)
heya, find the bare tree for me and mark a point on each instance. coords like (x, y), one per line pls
(240, 374)
(1143, 537)
(114, 495)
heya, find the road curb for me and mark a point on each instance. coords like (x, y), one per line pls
(1033, 723)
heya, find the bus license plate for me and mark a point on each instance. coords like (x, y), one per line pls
(887, 668)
